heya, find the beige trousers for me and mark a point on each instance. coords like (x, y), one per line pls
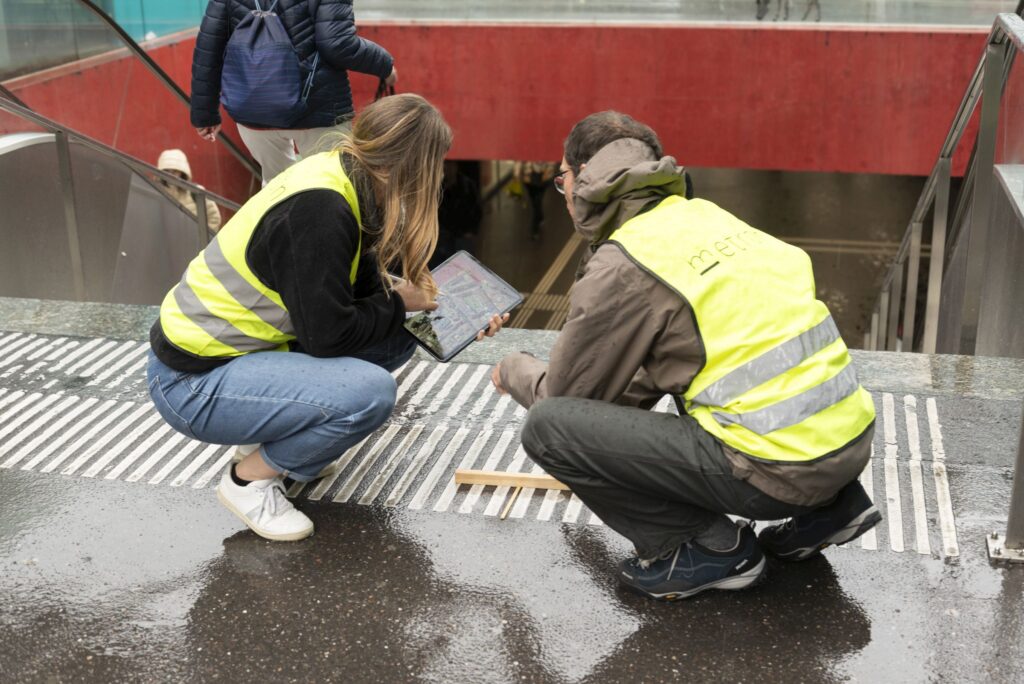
(277, 149)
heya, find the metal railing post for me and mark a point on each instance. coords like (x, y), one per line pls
(883, 319)
(67, 187)
(893, 326)
(937, 258)
(1010, 546)
(910, 303)
(201, 219)
(995, 57)
(874, 331)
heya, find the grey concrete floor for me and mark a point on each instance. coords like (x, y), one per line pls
(107, 579)
(978, 12)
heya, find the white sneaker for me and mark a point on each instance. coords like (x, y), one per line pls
(263, 506)
(243, 450)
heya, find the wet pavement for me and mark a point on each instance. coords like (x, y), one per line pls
(109, 579)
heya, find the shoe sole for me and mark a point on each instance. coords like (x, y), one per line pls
(328, 470)
(858, 526)
(291, 536)
(746, 580)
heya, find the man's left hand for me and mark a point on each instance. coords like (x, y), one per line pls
(496, 379)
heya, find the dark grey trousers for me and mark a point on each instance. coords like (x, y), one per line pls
(657, 479)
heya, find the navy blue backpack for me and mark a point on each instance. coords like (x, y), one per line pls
(264, 83)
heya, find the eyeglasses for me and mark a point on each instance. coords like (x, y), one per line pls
(559, 181)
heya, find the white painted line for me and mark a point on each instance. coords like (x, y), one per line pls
(144, 428)
(81, 349)
(359, 473)
(14, 351)
(497, 417)
(552, 498)
(425, 452)
(572, 510)
(173, 463)
(177, 441)
(55, 344)
(487, 393)
(522, 503)
(50, 384)
(663, 404)
(296, 487)
(453, 378)
(497, 454)
(424, 388)
(162, 433)
(893, 502)
(594, 520)
(8, 337)
(32, 430)
(196, 464)
(107, 437)
(34, 368)
(869, 540)
(916, 479)
(62, 351)
(136, 370)
(325, 483)
(463, 396)
(131, 357)
(98, 359)
(947, 522)
(500, 494)
(213, 470)
(12, 410)
(392, 462)
(112, 411)
(34, 404)
(38, 346)
(438, 469)
(410, 378)
(468, 461)
(48, 434)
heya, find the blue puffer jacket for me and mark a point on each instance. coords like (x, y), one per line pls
(327, 26)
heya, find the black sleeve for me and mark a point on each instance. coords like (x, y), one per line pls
(340, 46)
(303, 249)
(207, 63)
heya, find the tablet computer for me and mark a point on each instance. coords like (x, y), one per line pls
(470, 293)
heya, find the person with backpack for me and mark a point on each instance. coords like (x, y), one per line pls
(284, 330)
(280, 67)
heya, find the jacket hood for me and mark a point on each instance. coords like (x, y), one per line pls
(174, 160)
(622, 180)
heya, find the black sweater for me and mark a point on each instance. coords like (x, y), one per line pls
(303, 250)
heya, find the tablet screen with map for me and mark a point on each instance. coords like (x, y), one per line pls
(470, 295)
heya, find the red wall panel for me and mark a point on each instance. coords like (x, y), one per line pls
(807, 98)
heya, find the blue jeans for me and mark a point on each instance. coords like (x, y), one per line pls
(305, 411)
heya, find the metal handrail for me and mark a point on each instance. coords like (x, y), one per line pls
(1007, 30)
(136, 165)
(169, 83)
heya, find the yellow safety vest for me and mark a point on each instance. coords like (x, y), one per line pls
(777, 383)
(220, 308)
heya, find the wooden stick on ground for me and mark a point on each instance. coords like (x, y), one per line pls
(511, 500)
(506, 479)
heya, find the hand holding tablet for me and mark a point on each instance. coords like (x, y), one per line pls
(473, 304)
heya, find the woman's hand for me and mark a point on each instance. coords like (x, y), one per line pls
(493, 327)
(414, 298)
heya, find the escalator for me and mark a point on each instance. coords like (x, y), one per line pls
(84, 216)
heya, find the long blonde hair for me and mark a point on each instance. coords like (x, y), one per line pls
(400, 142)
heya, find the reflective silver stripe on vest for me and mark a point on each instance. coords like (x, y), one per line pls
(214, 326)
(795, 409)
(771, 364)
(245, 294)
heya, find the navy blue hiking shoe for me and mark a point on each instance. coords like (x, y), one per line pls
(804, 536)
(692, 568)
